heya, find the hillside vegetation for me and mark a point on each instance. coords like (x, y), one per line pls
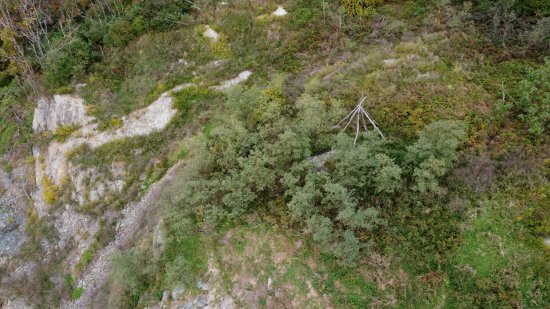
(271, 205)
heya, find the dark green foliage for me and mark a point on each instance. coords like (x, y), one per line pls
(255, 155)
(526, 94)
(432, 156)
(348, 250)
(533, 101)
(119, 34)
(515, 23)
(66, 61)
(131, 273)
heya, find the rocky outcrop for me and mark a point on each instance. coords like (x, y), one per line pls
(243, 76)
(52, 163)
(91, 186)
(60, 110)
(12, 212)
(132, 217)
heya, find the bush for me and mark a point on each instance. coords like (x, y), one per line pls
(360, 7)
(63, 132)
(515, 23)
(527, 95)
(65, 61)
(255, 159)
(533, 102)
(119, 33)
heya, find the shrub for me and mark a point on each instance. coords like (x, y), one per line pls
(87, 257)
(63, 132)
(119, 33)
(515, 23)
(360, 7)
(348, 250)
(66, 60)
(533, 102)
(51, 191)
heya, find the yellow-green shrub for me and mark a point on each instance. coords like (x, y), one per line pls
(51, 191)
(359, 7)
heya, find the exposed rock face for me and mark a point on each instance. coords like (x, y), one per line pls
(91, 186)
(61, 110)
(132, 217)
(16, 304)
(12, 212)
(52, 164)
(243, 76)
(70, 226)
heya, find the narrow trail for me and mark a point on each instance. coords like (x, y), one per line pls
(98, 271)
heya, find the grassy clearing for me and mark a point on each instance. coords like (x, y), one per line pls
(499, 262)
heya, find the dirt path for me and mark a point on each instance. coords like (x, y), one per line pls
(98, 272)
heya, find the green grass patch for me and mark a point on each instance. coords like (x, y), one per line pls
(76, 293)
(87, 257)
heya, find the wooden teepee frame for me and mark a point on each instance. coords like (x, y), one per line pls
(359, 114)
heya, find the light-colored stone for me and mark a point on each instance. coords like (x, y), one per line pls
(177, 292)
(211, 34)
(243, 76)
(61, 110)
(391, 62)
(12, 212)
(279, 12)
(158, 237)
(202, 285)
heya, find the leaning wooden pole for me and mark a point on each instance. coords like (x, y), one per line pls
(359, 114)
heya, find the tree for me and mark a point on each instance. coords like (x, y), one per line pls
(433, 154)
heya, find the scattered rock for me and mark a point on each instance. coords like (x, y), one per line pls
(165, 296)
(158, 237)
(227, 303)
(203, 286)
(72, 225)
(269, 284)
(391, 62)
(243, 76)
(279, 12)
(427, 75)
(201, 302)
(177, 292)
(211, 34)
(319, 160)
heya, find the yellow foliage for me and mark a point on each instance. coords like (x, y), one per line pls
(51, 191)
(360, 7)
(63, 132)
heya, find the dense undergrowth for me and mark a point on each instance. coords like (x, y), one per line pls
(448, 211)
